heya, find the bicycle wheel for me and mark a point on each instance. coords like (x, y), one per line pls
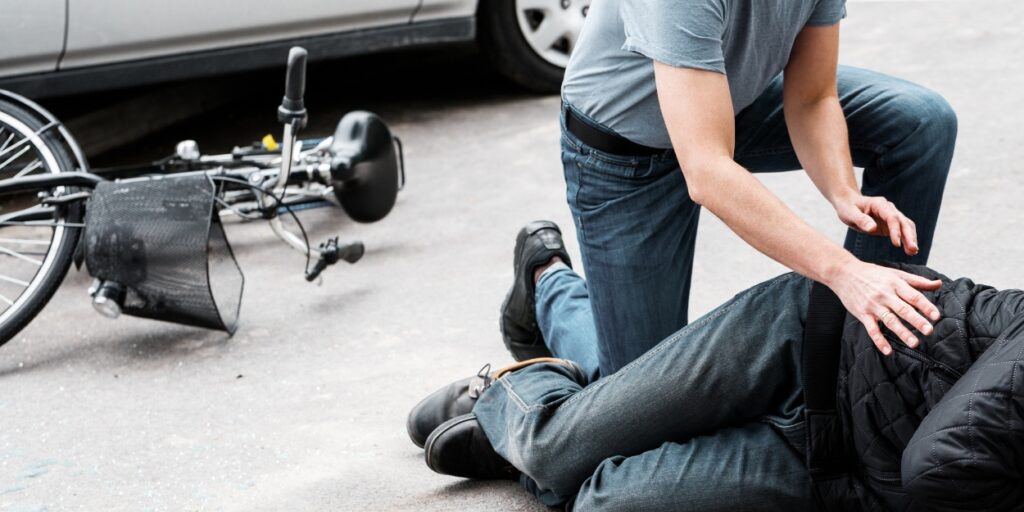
(37, 242)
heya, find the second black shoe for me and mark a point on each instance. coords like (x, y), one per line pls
(536, 244)
(459, 448)
(444, 404)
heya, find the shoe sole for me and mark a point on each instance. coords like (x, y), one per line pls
(409, 424)
(441, 430)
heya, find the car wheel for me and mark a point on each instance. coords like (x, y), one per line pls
(529, 41)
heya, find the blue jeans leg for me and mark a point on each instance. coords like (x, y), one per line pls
(748, 468)
(736, 365)
(565, 318)
(636, 227)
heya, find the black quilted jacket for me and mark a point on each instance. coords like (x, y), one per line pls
(940, 427)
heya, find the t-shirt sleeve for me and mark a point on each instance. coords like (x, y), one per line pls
(828, 12)
(680, 33)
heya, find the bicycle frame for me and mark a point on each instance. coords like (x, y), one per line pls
(257, 172)
(362, 166)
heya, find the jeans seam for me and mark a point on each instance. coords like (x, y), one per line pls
(520, 403)
(577, 212)
(571, 143)
(664, 345)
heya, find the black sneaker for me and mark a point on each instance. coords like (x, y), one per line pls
(446, 403)
(458, 447)
(536, 244)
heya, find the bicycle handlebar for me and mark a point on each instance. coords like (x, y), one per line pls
(293, 107)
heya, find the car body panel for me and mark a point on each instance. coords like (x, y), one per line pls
(33, 35)
(105, 31)
(439, 9)
(234, 59)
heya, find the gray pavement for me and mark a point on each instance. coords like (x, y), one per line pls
(304, 408)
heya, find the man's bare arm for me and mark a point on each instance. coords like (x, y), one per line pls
(818, 130)
(698, 111)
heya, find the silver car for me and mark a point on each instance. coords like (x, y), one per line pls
(56, 47)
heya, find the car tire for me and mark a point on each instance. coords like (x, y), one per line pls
(500, 34)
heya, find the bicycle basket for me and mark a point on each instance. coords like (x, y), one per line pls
(162, 240)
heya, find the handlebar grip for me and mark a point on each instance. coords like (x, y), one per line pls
(295, 82)
(292, 105)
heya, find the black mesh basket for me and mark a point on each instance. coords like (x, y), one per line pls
(161, 239)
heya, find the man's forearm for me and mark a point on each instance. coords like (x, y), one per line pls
(731, 193)
(818, 131)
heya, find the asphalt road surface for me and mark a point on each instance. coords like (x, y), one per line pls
(304, 408)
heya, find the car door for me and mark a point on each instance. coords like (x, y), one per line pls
(108, 31)
(439, 9)
(32, 36)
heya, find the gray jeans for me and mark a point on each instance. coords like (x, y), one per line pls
(709, 419)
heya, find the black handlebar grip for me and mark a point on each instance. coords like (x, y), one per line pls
(292, 105)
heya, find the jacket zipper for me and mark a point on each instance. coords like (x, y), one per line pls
(943, 371)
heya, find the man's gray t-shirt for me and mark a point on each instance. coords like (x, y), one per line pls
(610, 76)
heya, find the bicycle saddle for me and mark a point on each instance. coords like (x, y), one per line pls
(365, 166)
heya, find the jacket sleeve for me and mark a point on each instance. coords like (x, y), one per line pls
(968, 452)
(993, 313)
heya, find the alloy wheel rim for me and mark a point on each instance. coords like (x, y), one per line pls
(551, 27)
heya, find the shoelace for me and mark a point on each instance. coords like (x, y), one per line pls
(485, 381)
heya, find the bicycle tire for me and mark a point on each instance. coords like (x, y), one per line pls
(11, 323)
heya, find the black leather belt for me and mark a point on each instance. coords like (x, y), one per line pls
(604, 141)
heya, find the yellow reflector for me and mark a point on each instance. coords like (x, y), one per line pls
(269, 143)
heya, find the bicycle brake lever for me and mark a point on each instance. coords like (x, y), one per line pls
(331, 253)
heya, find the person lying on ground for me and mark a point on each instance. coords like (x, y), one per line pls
(716, 416)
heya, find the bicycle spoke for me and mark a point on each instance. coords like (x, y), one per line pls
(34, 214)
(29, 168)
(28, 252)
(6, 142)
(8, 301)
(42, 224)
(20, 256)
(26, 140)
(13, 280)
(20, 241)
(15, 157)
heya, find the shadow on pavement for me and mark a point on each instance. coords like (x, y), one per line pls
(240, 108)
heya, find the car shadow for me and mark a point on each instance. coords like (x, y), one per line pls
(401, 85)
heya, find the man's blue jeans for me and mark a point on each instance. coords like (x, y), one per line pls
(709, 419)
(637, 225)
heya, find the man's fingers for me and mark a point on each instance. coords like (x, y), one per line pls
(865, 222)
(892, 320)
(871, 325)
(919, 282)
(892, 219)
(921, 303)
(909, 236)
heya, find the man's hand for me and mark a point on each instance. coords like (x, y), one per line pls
(875, 294)
(877, 216)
